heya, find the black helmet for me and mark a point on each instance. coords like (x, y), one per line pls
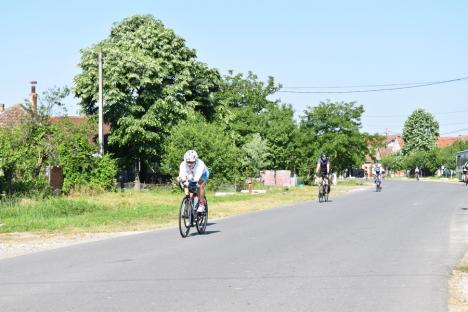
(323, 154)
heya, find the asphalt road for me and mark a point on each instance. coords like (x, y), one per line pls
(364, 251)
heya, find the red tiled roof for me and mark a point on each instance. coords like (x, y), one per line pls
(395, 137)
(78, 120)
(446, 141)
(14, 115)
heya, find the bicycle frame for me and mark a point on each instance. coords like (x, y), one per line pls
(323, 188)
(188, 214)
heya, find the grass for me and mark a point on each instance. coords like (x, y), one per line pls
(463, 267)
(130, 210)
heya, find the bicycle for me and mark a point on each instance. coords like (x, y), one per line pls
(417, 176)
(323, 189)
(188, 214)
(378, 182)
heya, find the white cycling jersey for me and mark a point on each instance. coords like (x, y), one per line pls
(377, 169)
(199, 171)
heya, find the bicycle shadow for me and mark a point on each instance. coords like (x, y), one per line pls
(206, 233)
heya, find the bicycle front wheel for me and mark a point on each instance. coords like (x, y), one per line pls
(184, 217)
(202, 220)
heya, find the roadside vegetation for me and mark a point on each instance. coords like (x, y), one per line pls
(136, 210)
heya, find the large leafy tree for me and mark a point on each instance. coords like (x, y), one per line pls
(246, 109)
(420, 132)
(152, 80)
(333, 128)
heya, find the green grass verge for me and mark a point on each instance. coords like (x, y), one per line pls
(130, 210)
(463, 267)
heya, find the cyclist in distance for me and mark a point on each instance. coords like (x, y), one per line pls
(416, 173)
(194, 170)
(377, 170)
(465, 173)
(323, 169)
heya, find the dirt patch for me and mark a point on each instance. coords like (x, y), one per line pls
(17, 244)
(458, 287)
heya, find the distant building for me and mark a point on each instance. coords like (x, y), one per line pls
(446, 141)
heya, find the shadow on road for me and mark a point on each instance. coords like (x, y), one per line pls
(206, 233)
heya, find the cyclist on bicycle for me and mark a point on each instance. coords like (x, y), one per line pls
(416, 172)
(323, 169)
(377, 171)
(465, 172)
(194, 170)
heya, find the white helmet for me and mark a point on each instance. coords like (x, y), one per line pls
(190, 155)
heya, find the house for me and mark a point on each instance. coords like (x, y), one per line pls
(13, 116)
(446, 141)
(393, 143)
(18, 113)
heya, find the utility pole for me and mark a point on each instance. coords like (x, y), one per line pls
(101, 106)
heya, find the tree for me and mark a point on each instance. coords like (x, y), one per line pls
(393, 162)
(245, 108)
(212, 145)
(281, 132)
(76, 154)
(420, 132)
(446, 156)
(333, 128)
(241, 103)
(425, 160)
(152, 80)
(255, 155)
(374, 142)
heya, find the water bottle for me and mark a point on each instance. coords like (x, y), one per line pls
(195, 202)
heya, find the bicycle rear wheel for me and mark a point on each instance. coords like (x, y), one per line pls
(320, 194)
(184, 217)
(202, 219)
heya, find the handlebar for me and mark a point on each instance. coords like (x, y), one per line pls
(192, 186)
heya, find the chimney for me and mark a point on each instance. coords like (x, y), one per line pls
(33, 97)
(2, 107)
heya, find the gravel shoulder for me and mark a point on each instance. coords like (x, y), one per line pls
(17, 244)
(458, 286)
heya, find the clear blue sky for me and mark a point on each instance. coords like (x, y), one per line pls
(300, 43)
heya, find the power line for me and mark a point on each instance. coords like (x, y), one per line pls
(392, 124)
(439, 113)
(455, 131)
(375, 90)
(361, 86)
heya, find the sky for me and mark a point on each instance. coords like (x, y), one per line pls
(299, 43)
